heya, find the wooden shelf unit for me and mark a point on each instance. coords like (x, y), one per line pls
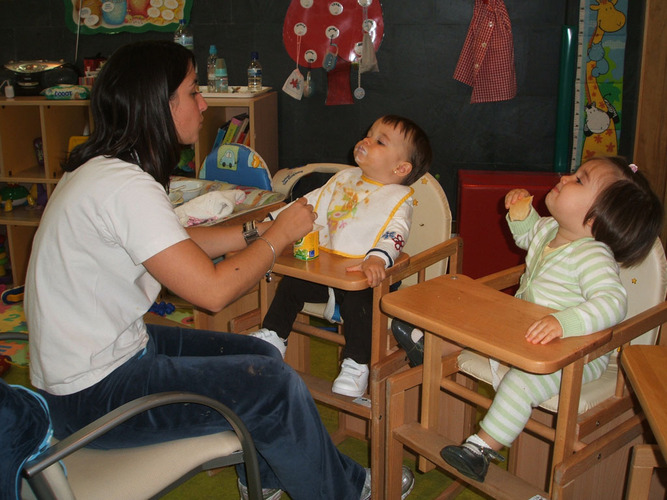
(23, 119)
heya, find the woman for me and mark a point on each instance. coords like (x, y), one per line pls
(109, 239)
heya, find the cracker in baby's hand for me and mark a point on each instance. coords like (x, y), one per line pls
(520, 209)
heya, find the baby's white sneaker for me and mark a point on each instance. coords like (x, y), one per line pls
(272, 338)
(352, 380)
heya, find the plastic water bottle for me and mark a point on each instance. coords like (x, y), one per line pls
(254, 73)
(210, 67)
(183, 35)
(221, 81)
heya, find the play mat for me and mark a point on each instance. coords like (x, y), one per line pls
(12, 319)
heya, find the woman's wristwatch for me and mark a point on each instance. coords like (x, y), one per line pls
(250, 232)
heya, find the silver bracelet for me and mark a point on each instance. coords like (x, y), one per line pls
(267, 276)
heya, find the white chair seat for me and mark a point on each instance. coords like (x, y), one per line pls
(121, 473)
(67, 470)
(316, 309)
(592, 394)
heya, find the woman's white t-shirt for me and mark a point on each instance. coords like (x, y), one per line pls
(86, 287)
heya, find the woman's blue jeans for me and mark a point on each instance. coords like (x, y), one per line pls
(247, 374)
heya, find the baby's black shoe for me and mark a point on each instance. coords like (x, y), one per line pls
(470, 459)
(403, 334)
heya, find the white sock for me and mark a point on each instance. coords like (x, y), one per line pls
(475, 439)
(416, 335)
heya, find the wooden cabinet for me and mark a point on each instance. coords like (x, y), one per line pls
(24, 119)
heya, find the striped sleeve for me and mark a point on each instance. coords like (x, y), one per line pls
(524, 231)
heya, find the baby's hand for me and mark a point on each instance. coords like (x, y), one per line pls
(515, 195)
(373, 268)
(544, 331)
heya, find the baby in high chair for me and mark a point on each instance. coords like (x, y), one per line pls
(366, 213)
(603, 215)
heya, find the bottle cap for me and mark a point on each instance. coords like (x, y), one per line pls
(212, 50)
(254, 55)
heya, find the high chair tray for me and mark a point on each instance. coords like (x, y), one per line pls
(473, 315)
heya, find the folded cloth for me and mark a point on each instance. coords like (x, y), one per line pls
(369, 60)
(495, 376)
(209, 207)
(332, 310)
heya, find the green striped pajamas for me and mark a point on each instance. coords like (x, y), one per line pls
(519, 392)
(580, 280)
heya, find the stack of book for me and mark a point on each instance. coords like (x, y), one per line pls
(234, 131)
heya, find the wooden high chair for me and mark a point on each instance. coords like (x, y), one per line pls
(428, 252)
(586, 429)
(643, 366)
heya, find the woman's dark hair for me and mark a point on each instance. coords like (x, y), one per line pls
(627, 215)
(419, 146)
(130, 108)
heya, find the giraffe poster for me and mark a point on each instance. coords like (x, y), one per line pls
(599, 92)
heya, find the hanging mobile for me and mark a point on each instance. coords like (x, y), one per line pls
(308, 84)
(331, 56)
(310, 56)
(359, 92)
(294, 85)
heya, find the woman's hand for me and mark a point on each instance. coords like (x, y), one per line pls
(295, 221)
(544, 330)
(187, 268)
(515, 195)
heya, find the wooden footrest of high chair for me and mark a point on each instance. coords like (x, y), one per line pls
(498, 483)
(320, 389)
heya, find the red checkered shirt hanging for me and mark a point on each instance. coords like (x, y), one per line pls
(486, 62)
